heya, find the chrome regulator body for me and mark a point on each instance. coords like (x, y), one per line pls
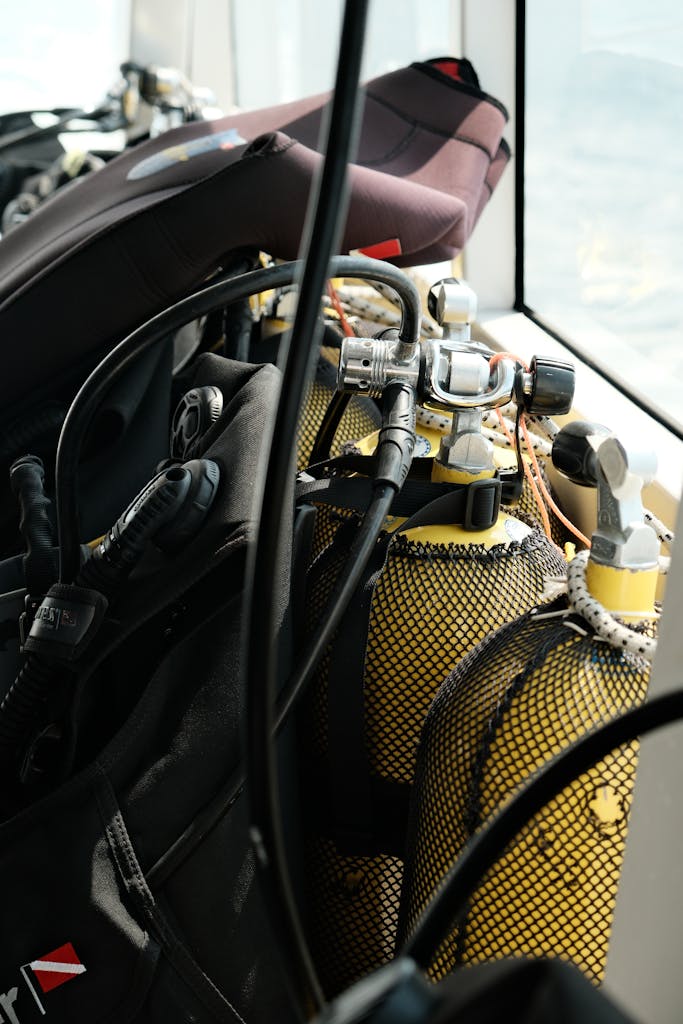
(454, 374)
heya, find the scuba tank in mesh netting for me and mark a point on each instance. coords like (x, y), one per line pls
(432, 602)
(449, 569)
(431, 430)
(521, 697)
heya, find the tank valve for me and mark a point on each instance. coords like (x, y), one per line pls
(623, 539)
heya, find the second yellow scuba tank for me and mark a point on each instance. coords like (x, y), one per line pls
(519, 698)
(431, 430)
(360, 416)
(434, 589)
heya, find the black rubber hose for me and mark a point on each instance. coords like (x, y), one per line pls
(261, 597)
(32, 686)
(484, 849)
(322, 445)
(88, 399)
(173, 502)
(24, 135)
(358, 556)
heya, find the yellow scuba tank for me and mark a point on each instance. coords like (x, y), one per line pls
(431, 428)
(519, 698)
(433, 591)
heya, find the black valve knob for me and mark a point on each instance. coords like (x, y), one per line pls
(548, 389)
(574, 456)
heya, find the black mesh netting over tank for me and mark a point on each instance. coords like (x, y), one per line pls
(431, 604)
(522, 696)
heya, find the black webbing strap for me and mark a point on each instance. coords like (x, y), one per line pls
(353, 818)
(420, 468)
(473, 506)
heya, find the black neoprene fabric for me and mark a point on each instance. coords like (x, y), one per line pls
(523, 992)
(126, 440)
(156, 734)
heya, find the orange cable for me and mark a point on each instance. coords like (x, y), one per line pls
(532, 483)
(507, 355)
(532, 455)
(334, 298)
(546, 493)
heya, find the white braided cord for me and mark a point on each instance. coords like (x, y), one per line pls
(546, 426)
(663, 532)
(491, 429)
(605, 626)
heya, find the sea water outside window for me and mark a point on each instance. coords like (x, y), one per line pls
(603, 220)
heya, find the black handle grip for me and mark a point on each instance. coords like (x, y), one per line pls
(396, 441)
(27, 479)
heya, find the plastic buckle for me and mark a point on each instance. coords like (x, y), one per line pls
(26, 618)
(482, 502)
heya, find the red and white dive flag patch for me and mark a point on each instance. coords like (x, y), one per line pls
(57, 967)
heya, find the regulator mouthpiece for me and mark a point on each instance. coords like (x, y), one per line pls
(195, 413)
(168, 512)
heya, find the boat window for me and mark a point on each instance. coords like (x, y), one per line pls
(61, 54)
(296, 56)
(603, 207)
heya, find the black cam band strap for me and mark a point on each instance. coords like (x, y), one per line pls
(473, 506)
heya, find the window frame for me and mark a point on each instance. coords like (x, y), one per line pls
(493, 256)
(498, 280)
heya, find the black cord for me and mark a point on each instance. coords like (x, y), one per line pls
(261, 606)
(88, 399)
(484, 849)
(518, 445)
(322, 445)
(359, 553)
